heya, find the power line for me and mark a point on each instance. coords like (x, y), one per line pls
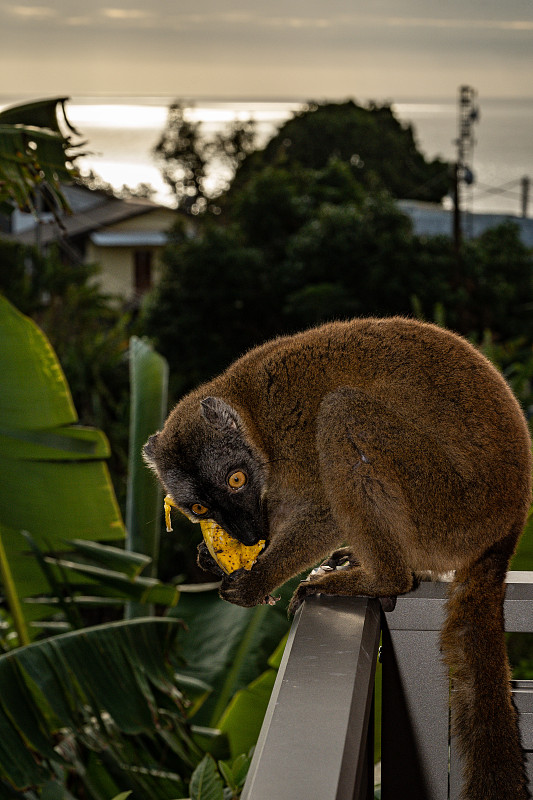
(483, 188)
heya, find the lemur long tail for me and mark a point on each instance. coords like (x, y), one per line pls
(484, 718)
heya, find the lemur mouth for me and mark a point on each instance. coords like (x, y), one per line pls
(249, 540)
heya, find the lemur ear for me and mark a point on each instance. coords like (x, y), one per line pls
(150, 448)
(220, 414)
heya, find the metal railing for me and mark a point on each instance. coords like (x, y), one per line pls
(317, 738)
(313, 743)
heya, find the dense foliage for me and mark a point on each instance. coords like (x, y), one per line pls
(296, 247)
(383, 152)
(88, 332)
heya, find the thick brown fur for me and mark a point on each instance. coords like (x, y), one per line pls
(399, 441)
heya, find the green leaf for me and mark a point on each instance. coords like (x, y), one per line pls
(52, 790)
(275, 659)
(205, 781)
(67, 681)
(227, 773)
(114, 558)
(244, 715)
(54, 444)
(34, 152)
(40, 114)
(228, 646)
(144, 504)
(122, 796)
(240, 768)
(143, 590)
(11, 596)
(34, 393)
(235, 774)
(55, 484)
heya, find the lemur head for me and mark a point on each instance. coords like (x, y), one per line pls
(207, 464)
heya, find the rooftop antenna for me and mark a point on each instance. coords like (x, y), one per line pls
(468, 114)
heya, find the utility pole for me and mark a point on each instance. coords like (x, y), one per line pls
(468, 114)
(457, 231)
(525, 184)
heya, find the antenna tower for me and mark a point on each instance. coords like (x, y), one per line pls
(468, 114)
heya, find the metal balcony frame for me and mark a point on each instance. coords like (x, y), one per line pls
(316, 742)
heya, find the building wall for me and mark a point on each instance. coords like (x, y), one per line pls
(117, 268)
(117, 275)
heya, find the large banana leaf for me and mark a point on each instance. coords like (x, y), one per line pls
(34, 151)
(49, 114)
(243, 717)
(227, 646)
(148, 406)
(94, 574)
(92, 689)
(53, 477)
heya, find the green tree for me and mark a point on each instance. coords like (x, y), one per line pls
(381, 152)
(498, 281)
(365, 250)
(227, 297)
(184, 155)
(309, 231)
(181, 158)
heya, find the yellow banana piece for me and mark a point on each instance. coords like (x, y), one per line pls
(169, 503)
(229, 553)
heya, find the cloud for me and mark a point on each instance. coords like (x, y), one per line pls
(300, 22)
(280, 48)
(126, 13)
(32, 12)
(432, 22)
(78, 22)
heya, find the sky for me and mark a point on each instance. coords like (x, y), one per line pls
(280, 49)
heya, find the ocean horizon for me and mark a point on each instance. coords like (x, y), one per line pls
(121, 132)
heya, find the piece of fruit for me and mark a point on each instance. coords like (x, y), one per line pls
(229, 553)
(169, 503)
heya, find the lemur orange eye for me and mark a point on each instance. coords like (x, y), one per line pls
(237, 480)
(198, 509)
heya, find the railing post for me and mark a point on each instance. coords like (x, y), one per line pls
(415, 698)
(313, 740)
(419, 760)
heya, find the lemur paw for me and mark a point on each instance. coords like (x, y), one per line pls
(206, 561)
(305, 589)
(245, 588)
(343, 557)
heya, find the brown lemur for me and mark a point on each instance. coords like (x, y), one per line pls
(396, 442)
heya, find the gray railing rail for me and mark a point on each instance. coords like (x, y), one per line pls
(313, 743)
(316, 742)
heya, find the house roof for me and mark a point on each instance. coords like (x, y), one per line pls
(129, 238)
(91, 211)
(432, 220)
